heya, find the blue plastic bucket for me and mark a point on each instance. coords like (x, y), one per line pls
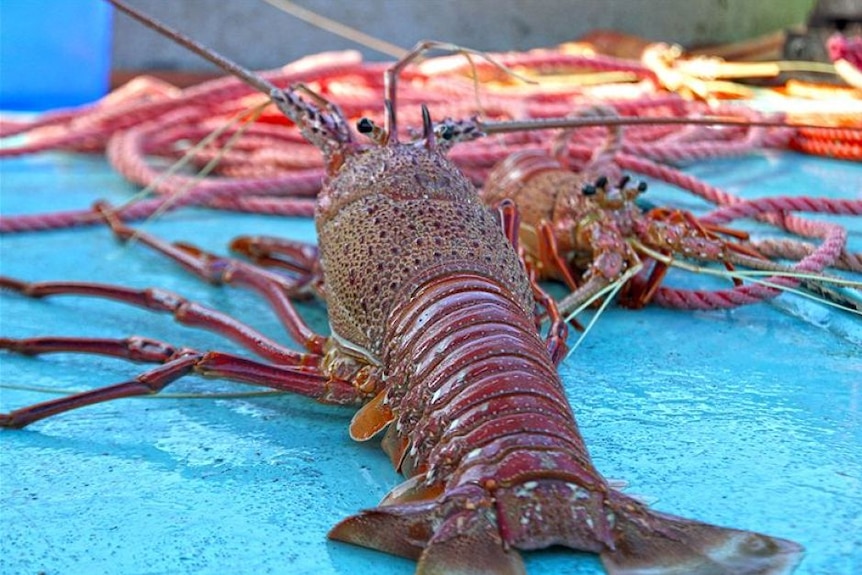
(53, 53)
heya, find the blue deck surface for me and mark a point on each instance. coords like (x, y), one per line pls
(748, 418)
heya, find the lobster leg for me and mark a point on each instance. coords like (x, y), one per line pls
(271, 251)
(183, 310)
(558, 330)
(555, 340)
(549, 255)
(296, 257)
(219, 270)
(310, 383)
(134, 348)
(638, 292)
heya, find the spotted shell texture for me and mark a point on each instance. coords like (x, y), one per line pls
(385, 219)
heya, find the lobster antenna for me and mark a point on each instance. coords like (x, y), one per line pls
(406, 56)
(254, 80)
(390, 126)
(841, 302)
(505, 127)
(390, 78)
(339, 29)
(611, 289)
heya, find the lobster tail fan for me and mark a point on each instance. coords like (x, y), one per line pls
(661, 544)
(402, 530)
(467, 543)
(459, 543)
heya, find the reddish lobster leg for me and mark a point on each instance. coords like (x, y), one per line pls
(323, 372)
(184, 311)
(555, 340)
(134, 348)
(177, 363)
(293, 256)
(308, 374)
(218, 270)
(270, 251)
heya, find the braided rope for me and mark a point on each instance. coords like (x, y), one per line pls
(834, 240)
(272, 170)
(772, 210)
(791, 249)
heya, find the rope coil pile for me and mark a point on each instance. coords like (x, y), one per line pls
(270, 169)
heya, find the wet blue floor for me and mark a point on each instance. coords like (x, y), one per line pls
(748, 418)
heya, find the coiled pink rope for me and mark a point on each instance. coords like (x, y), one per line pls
(823, 256)
(272, 170)
(796, 250)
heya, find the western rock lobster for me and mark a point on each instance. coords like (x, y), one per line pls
(434, 333)
(584, 229)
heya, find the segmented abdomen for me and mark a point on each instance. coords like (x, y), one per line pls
(474, 390)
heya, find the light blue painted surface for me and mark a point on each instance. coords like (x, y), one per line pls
(748, 418)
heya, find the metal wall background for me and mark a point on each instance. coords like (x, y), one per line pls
(257, 35)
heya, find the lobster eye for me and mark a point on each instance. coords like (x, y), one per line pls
(365, 126)
(642, 186)
(588, 190)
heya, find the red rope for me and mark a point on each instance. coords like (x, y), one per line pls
(273, 170)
